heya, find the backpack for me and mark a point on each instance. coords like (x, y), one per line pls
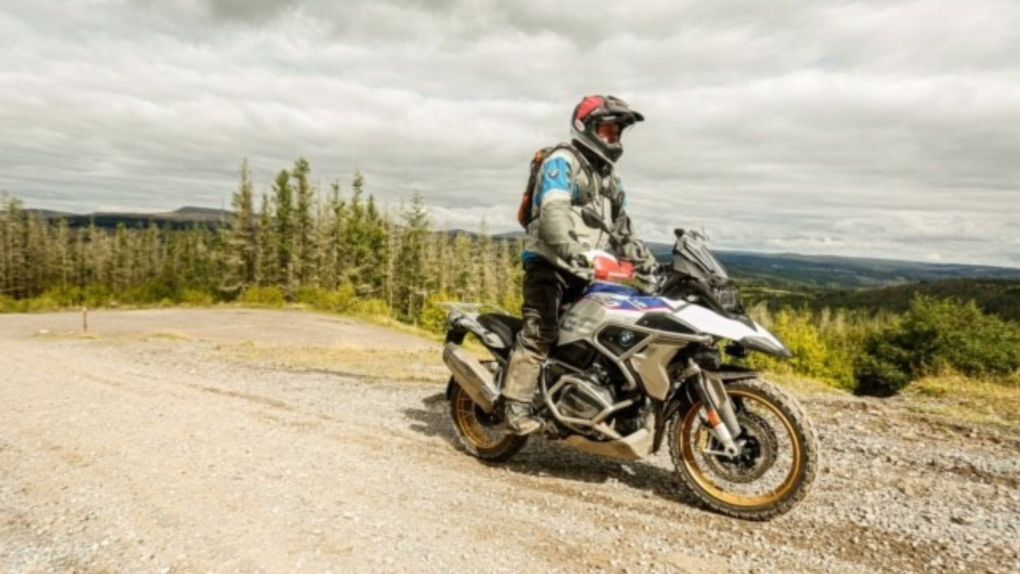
(524, 216)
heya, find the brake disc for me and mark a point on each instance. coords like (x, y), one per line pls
(757, 454)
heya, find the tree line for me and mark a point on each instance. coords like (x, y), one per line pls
(330, 248)
(333, 249)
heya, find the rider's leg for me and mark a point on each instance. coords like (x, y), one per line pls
(543, 292)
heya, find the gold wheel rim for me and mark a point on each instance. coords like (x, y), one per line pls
(471, 428)
(734, 499)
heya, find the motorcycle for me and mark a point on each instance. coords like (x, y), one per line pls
(636, 366)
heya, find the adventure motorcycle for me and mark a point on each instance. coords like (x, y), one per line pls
(631, 369)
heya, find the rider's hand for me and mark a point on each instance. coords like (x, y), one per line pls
(586, 260)
(647, 267)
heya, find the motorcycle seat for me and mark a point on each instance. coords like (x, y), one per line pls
(505, 327)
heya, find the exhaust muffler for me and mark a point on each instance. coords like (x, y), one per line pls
(475, 379)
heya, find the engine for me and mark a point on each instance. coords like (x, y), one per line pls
(579, 397)
(582, 396)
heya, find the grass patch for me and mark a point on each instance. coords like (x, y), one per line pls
(64, 335)
(419, 366)
(167, 337)
(963, 399)
(803, 386)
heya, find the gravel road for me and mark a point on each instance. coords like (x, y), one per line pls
(151, 446)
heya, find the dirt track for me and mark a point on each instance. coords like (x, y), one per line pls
(158, 447)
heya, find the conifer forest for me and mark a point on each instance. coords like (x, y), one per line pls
(329, 248)
(334, 250)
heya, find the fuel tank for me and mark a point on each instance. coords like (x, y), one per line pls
(607, 302)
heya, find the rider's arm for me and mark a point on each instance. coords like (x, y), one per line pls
(554, 196)
(631, 247)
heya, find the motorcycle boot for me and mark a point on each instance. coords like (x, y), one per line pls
(519, 418)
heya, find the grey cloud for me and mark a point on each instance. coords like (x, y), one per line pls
(848, 128)
(249, 10)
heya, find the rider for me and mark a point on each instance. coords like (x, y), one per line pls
(559, 243)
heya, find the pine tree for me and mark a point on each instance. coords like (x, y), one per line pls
(375, 230)
(242, 239)
(151, 253)
(37, 252)
(393, 239)
(62, 255)
(355, 246)
(334, 235)
(485, 265)
(411, 294)
(306, 267)
(121, 271)
(465, 279)
(268, 269)
(15, 256)
(504, 272)
(6, 245)
(283, 198)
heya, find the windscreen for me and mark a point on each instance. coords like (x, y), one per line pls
(692, 257)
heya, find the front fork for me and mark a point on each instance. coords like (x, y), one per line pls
(716, 410)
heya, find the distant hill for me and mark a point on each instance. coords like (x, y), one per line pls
(829, 271)
(835, 272)
(180, 218)
(995, 296)
(850, 272)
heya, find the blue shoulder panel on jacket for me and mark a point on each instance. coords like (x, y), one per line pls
(528, 256)
(555, 178)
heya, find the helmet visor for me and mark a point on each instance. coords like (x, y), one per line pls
(608, 132)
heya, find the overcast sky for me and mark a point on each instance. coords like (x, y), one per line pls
(882, 129)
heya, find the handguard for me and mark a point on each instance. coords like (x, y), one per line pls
(601, 265)
(610, 269)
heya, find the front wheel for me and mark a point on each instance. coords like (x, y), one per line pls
(777, 462)
(483, 435)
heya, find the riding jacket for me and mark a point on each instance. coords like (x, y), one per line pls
(557, 233)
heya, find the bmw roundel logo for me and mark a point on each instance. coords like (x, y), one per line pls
(626, 338)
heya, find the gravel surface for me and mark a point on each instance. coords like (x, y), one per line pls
(148, 448)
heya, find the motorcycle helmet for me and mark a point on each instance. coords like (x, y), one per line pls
(591, 125)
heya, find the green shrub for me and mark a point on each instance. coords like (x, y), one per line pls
(66, 296)
(338, 301)
(344, 297)
(263, 297)
(947, 334)
(375, 308)
(314, 297)
(883, 367)
(433, 316)
(9, 305)
(937, 336)
(152, 291)
(195, 297)
(816, 353)
(40, 304)
(97, 296)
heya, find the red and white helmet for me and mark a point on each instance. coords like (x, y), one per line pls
(593, 111)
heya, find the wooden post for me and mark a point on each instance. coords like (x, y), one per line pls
(85, 319)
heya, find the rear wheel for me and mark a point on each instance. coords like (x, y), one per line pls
(483, 435)
(777, 463)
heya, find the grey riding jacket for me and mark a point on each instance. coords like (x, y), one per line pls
(567, 183)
